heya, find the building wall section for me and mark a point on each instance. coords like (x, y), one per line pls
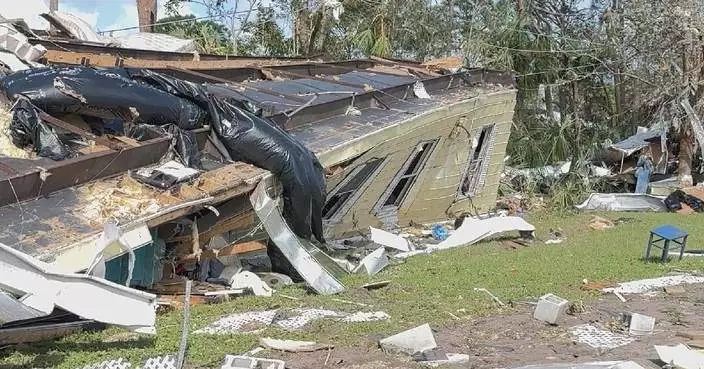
(435, 192)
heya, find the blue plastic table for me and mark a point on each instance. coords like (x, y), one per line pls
(666, 237)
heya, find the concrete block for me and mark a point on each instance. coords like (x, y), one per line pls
(550, 308)
(419, 339)
(246, 362)
(640, 324)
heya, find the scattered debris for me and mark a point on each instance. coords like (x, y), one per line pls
(166, 175)
(619, 296)
(249, 280)
(550, 308)
(680, 356)
(391, 240)
(440, 233)
(599, 338)
(412, 341)
(293, 346)
(452, 359)
(474, 230)
(599, 224)
(675, 290)
(374, 262)
(588, 285)
(645, 285)
(592, 365)
(241, 323)
(295, 319)
(275, 280)
(623, 202)
(639, 324)
(496, 299)
(108, 303)
(366, 317)
(376, 285)
(246, 362)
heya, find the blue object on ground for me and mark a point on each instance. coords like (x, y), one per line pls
(439, 232)
(665, 237)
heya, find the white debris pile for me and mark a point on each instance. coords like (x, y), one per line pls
(646, 285)
(474, 230)
(680, 356)
(250, 322)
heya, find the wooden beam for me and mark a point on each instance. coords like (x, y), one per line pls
(111, 61)
(73, 129)
(303, 76)
(263, 90)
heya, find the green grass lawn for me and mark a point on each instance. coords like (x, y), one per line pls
(425, 289)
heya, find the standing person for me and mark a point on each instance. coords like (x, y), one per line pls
(644, 168)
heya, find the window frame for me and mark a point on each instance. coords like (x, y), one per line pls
(381, 206)
(349, 201)
(478, 168)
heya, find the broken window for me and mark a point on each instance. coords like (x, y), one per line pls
(479, 158)
(405, 178)
(351, 187)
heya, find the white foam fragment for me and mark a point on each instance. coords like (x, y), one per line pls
(646, 285)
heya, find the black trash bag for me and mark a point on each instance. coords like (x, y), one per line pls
(107, 94)
(260, 142)
(186, 147)
(144, 132)
(694, 203)
(27, 129)
(673, 202)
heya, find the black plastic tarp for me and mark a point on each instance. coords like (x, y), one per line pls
(142, 96)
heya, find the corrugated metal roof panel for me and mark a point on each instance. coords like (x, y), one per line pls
(12, 310)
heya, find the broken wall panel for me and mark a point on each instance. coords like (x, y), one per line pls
(436, 189)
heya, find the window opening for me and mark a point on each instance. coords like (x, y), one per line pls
(408, 174)
(475, 177)
(351, 185)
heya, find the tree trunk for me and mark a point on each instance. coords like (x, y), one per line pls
(684, 170)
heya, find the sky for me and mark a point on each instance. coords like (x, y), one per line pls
(102, 15)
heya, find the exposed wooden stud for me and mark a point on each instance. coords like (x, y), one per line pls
(303, 76)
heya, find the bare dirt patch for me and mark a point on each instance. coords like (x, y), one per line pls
(514, 338)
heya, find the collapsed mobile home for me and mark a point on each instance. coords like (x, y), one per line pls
(399, 143)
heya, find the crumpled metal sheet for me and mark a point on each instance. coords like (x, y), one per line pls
(12, 310)
(311, 263)
(623, 202)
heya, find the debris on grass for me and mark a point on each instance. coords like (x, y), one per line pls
(374, 262)
(412, 341)
(376, 285)
(248, 322)
(646, 285)
(493, 297)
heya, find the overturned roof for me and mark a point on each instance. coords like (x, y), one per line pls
(329, 107)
